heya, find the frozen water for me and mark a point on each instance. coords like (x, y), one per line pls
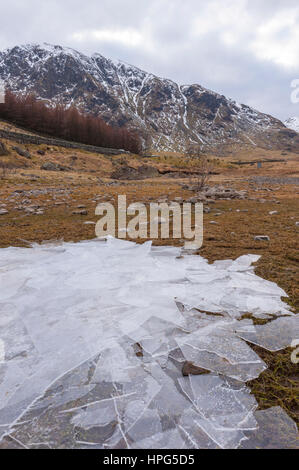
(276, 430)
(93, 337)
(273, 336)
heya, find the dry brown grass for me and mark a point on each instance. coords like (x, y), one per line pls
(231, 237)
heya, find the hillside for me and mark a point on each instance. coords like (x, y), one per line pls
(166, 115)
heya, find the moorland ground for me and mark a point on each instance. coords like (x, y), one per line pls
(39, 205)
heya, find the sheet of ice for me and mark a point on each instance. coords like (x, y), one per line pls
(217, 348)
(93, 337)
(276, 430)
(273, 336)
(224, 410)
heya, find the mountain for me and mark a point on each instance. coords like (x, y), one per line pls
(292, 123)
(168, 116)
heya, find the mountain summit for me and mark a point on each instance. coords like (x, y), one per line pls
(168, 116)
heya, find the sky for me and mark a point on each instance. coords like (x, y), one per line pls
(247, 50)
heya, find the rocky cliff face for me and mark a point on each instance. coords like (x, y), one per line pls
(168, 116)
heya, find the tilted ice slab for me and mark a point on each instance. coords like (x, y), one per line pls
(93, 337)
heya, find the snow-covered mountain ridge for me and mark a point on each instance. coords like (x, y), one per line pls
(293, 123)
(168, 116)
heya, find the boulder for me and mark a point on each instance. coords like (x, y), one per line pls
(50, 166)
(125, 172)
(22, 152)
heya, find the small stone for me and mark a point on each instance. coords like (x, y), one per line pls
(190, 369)
(273, 212)
(80, 212)
(3, 212)
(262, 238)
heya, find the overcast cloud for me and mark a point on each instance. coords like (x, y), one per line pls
(245, 49)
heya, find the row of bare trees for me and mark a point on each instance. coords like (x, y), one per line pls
(66, 123)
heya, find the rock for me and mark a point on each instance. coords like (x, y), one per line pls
(219, 192)
(297, 224)
(50, 166)
(3, 212)
(126, 172)
(89, 223)
(262, 238)
(41, 152)
(19, 191)
(3, 150)
(22, 152)
(80, 212)
(273, 212)
(190, 369)
(212, 222)
(33, 176)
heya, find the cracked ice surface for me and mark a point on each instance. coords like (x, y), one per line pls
(93, 336)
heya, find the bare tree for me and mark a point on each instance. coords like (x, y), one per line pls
(201, 166)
